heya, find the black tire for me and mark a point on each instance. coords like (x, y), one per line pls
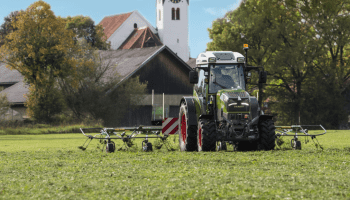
(223, 146)
(206, 136)
(149, 146)
(298, 145)
(267, 135)
(110, 147)
(187, 134)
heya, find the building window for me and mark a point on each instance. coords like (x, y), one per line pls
(135, 25)
(173, 13)
(178, 14)
(160, 15)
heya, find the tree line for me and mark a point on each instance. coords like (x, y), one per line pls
(61, 61)
(304, 46)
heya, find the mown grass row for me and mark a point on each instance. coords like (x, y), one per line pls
(52, 167)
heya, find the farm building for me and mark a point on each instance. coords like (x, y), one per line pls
(11, 81)
(165, 73)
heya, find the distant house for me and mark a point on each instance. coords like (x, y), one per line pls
(15, 90)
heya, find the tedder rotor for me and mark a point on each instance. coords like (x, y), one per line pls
(107, 135)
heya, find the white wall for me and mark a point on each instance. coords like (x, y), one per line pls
(171, 30)
(124, 31)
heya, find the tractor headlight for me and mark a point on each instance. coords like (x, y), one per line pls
(212, 59)
(231, 102)
(245, 102)
(240, 59)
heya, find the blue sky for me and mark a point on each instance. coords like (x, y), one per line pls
(201, 13)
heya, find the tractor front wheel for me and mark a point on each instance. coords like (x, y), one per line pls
(206, 136)
(267, 135)
(188, 134)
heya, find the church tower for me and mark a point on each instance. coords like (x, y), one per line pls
(172, 24)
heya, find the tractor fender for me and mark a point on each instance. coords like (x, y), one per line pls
(259, 119)
(254, 107)
(264, 117)
(191, 110)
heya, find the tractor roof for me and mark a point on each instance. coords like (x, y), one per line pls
(219, 57)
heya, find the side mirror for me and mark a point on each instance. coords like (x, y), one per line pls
(262, 77)
(193, 77)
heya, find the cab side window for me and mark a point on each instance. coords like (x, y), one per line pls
(201, 83)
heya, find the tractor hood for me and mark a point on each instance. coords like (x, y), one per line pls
(233, 100)
(226, 94)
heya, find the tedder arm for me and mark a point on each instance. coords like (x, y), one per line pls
(295, 129)
(107, 134)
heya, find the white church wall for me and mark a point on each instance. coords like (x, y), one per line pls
(124, 31)
(174, 33)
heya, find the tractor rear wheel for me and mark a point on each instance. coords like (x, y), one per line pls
(206, 136)
(188, 134)
(267, 135)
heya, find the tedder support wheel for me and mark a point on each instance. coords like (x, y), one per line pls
(267, 135)
(206, 136)
(221, 146)
(188, 134)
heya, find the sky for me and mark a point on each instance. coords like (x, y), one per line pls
(201, 13)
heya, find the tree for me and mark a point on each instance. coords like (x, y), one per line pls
(7, 27)
(4, 105)
(285, 39)
(84, 27)
(42, 50)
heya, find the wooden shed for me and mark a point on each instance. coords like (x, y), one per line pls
(165, 73)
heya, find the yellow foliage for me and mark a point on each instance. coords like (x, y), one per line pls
(41, 48)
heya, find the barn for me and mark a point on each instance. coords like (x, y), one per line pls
(164, 72)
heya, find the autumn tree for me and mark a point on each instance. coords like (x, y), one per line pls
(84, 27)
(7, 27)
(4, 104)
(42, 50)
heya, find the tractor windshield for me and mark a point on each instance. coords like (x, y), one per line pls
(226, 77)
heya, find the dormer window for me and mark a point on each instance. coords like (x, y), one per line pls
(135, 25)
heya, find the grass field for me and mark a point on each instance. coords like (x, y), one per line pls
(52, 167)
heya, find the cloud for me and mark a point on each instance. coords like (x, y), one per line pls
(220, 12)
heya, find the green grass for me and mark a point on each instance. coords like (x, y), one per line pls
(52, 167)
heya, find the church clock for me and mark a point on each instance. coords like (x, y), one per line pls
(175, 1)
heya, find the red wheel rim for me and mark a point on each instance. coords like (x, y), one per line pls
(200, 137)
(183, 127)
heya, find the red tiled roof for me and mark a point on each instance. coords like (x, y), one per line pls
(112, 23)
(140, 38)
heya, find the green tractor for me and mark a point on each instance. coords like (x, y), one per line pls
(221, 111)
